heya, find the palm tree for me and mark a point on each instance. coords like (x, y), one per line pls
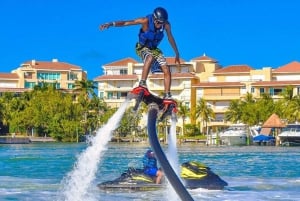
(249, 110)
(234, 112)
(204, 112)
(86, 87)
(265, 108)
(183, 112)
(294, 109)
(287, 105)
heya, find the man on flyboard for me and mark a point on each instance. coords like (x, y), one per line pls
(150, 35)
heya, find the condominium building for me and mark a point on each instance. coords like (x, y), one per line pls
(35, 73)
(122, 76)
(201, 77)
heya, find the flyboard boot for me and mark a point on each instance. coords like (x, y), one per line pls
(169, 109)
(139, 93)
(167, 106)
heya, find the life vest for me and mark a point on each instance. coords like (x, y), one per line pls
(149, 162)
(152, 37)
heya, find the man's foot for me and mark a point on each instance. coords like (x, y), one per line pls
(168, 96)
(143, 84)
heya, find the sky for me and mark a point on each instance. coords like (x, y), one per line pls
(258, 33)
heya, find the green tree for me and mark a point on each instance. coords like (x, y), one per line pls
(183, 113)
(234, 111)
(204, 113)
(86, 87)
(265, 108)
(249, 110)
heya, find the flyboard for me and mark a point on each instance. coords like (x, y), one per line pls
(167, 108)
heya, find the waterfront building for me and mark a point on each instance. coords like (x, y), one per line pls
(35, 73)
(201, 77)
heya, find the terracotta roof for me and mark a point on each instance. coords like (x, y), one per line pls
(265, 131)
(273, 122)
(13, 76)
(276, 83)
(51, 65)
(171, 60)
(289, 68)
(116, 77)
(204, 58)
(122, 62)
(174, 75)
(235, 69)
(218, 84)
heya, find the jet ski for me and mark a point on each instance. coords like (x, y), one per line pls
(197, 175)
(132, 179)
(193, 174)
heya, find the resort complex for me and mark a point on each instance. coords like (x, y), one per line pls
(36, 73)
(201, 77)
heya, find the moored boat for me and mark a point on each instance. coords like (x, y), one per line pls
(290, 135)
(235, 134)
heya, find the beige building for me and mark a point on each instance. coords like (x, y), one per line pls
(122, 76)
(33, 73)
(202, 77)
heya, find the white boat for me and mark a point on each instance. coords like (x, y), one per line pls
(236, 134)
(290, 135)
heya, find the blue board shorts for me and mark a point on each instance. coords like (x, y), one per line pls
(151, 171)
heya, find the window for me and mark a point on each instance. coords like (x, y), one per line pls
(261, 90)
(57, 85)
(48, 76)
(29, 85)
(28, 75)
(124, 94)
(42, 84)
(72, 76)
(187, 104)
(252, 90)
(71, 86)
(271, 91)
(123, 72)
(109, 95)
(101, 94)
(275, 91)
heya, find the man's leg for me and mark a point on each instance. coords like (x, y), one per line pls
(159, 176)
(167, 80)
(146, 69)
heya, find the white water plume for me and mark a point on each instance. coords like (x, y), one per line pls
(172, 147)
(79, 180)
(173, 158)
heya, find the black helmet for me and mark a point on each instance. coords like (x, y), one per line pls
(160, 14)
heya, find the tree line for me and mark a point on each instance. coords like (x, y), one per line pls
(67, 117)
(46, 111)
(255, 111)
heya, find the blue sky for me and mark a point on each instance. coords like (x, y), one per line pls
(259, 33)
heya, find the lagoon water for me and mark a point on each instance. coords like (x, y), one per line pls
(35, 171)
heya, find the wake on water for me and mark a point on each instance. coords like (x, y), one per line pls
(77, 183)
(172, 157)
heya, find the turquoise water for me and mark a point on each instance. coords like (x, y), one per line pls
(35, 171)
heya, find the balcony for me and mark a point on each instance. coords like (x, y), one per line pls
(222, 96)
